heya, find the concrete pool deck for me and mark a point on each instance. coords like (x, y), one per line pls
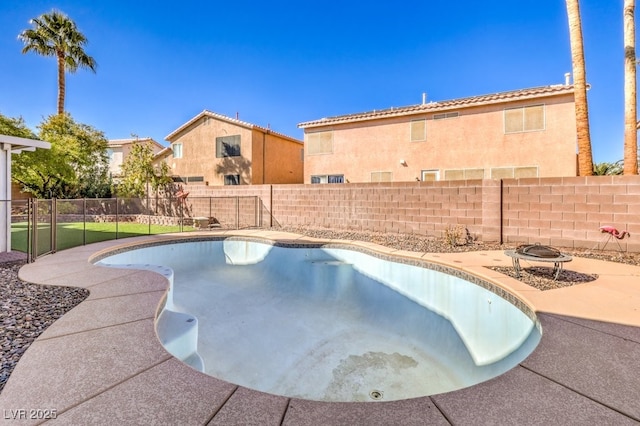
(101, 363)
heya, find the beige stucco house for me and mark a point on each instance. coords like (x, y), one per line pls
(119, 149)
(218, 150)
(522, 133)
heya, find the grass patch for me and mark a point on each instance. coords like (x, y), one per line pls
(75, 234)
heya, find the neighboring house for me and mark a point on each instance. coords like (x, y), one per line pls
(522, 133)
(119, 149)
(219, 150)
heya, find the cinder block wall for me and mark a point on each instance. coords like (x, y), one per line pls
(563, 212)
(568, 212)
(405, 207)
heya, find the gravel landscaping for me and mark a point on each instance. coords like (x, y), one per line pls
(28, 309)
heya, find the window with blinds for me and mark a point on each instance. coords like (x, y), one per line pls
(319, 143)
(418, 130)
(514, 172)
(327, 179)
(463, 174)
(381, 176)
(524, 119)
(446, 115)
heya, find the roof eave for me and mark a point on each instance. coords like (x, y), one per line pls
(173, 135)
(434, 107)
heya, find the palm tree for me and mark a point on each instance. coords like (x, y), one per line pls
(585, 159)
(607, 169)
(54, 34)
(630, 102)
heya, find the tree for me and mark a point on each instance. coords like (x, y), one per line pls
(75, 166)
(585, 159)
(139, 170)
(55, 34)
(630, 101)
(607, 169)
(15, 127)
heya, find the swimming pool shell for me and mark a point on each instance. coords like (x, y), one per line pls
(178, 331)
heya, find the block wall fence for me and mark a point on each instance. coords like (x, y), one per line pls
(563, 212)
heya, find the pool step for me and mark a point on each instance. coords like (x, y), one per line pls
(178, 333)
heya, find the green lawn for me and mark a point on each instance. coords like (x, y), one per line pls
(71, 234)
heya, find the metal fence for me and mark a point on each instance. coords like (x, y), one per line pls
(40, 227)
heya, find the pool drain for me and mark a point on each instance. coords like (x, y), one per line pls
(375, 394)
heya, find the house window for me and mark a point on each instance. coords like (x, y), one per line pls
(524, 119)
(232, 179)
(514, 172)
(228, 146)
(418, 130)
(381, 176)
(525, 172)
(446, 115)
(319, 143)
(430, 175)
(327, 179)
(463, 174)
(177, 150)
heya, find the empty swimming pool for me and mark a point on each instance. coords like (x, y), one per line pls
(330, 322)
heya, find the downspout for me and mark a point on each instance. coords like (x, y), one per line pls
(264, 149)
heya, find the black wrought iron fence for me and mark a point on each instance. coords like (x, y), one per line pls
(40, 227)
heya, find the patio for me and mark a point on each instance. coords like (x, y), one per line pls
(102, 364)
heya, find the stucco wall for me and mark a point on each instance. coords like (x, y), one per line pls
(281, 162)
(565, 212)
(199, 152)
(474, 139)
(276, 159)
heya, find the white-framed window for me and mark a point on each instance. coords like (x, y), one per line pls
(419, 130)
(327, 179)
(524, 119)
(177, 150)
(232, 179)
(228, 146)
(430, 175)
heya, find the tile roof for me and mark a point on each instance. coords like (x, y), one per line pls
(207, 113)
(515, 95)
(120, 142)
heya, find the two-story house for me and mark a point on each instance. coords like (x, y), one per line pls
(119, 149)
(521, 133)
(218, 150)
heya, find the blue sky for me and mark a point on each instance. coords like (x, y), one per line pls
(284, 62)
